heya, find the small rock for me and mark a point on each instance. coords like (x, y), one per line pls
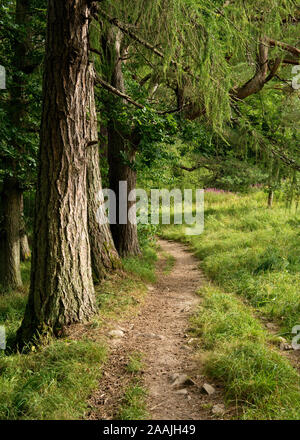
(173, 377)
(191, 341)
(116, 333)
(218, 409)
(271, 326)
(182, 391)
(208, 389)
(150, 288)
(284, 346)
(281, 339)
(181, 379)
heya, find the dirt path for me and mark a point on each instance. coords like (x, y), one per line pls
(160, 333)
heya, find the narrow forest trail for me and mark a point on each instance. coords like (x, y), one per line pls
(159, 331)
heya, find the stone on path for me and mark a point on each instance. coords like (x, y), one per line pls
(182, 391)
(218, 409)
(284, 346)
(178, 379)
(208, 389)
(116, 334)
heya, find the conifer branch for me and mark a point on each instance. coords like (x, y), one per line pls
(117, 92)
(99, 81)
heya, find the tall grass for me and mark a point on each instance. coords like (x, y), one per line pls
(240, 355)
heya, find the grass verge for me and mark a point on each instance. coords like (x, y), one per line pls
(241, 356)
(133, 405)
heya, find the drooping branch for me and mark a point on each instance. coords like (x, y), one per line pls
(261, 77)
(110, 88)
(203, 162)
(99, 81)
(291, 163)
(254, 85)
(287, 47)
(293, 61)
(126, 29)
(268, 144)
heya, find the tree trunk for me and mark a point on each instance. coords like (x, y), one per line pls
(103, 252)
(125, 235)
(10, 273)
(61, 291)
(270, 198)
(25, 252)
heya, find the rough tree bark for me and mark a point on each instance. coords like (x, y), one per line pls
(25, 252)
(61, 290)
(10, 274)
(125, 235)
(103, 252)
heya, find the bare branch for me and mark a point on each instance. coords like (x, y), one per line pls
(292, 49)
(96, 51)
(116, 92)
